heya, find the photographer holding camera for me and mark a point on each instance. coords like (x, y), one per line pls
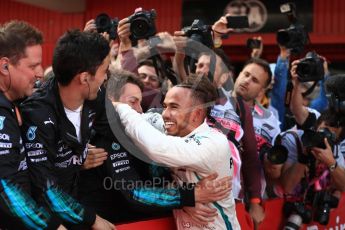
(332, 119)
(314, 163)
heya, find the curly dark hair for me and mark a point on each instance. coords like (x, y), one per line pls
(203, 90)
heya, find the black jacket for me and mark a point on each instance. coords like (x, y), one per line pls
(131, 183)
(54, 154)
(17, 209)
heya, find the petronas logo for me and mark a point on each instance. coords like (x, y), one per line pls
(31, 134)
(2, 120)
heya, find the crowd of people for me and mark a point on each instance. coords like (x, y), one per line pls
(147, 125)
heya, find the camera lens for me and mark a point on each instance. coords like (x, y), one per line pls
(304, 69)
(277, 154)
(140, 27)
(103, 23)
(294, 222)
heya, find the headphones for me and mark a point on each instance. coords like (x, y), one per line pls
(335, 103)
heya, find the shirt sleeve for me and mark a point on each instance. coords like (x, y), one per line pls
(20, 210)
(279, 87)
(12, 155)
(320, 103)
(17, 208)
(172, 151)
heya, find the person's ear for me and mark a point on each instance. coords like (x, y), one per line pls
(198, 113)
(84, 78)
(4, 65)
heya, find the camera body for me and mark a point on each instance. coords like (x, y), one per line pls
(293, 209)
(199, 32)
(310, 68)
(294, 37)
(276, 154)
(323, 202)
(253, 43)
(142, 24)
(105, 24)
(311, 138)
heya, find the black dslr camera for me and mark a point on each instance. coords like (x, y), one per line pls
(297, 213)
(253, 43)
(311, 138)
(199, 32)
(323, 202)
(142, 25)
(105, 24)
(276, 154)
(310, 68)
(295, 37)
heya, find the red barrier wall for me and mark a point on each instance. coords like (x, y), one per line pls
(274, 219)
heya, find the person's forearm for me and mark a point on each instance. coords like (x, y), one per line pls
(178, 66)
(320, 103)
(169, 150)
(128, 61)
(167, 198)
(279, 87)
(338, 178)
(67, 208)
(292, 176)
(22, 207)
(297, 108)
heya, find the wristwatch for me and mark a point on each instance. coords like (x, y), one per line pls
(333, 167)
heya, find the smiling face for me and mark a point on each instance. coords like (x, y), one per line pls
(251, 81)
(178, 112)
(23, 74)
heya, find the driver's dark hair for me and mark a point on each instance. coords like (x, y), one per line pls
(78, 52)
(203, 90)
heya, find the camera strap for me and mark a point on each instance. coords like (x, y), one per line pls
(212, 67)
(310, 90)
(162, 70)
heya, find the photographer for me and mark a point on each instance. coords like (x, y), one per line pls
(307, 119)
(315, 165)
(142, 52)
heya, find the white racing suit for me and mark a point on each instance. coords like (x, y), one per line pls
(193, 157)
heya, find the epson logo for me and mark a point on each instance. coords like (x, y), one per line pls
(33, 145)
(4, 137)
(118, 155)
